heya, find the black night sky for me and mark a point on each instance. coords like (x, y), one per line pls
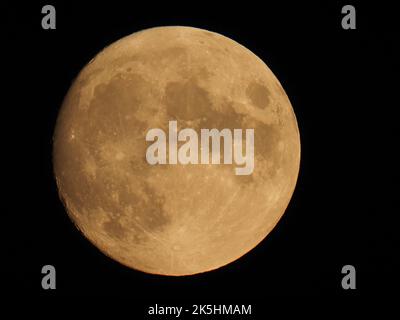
(343, 88)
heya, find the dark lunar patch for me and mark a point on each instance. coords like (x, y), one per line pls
(203, 73)
(266, 138)
(226, 117)
(186, 101)
(114, 229)
(113, 109)
(114, 100)
(258, 94)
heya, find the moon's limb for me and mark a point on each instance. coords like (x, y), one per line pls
(173, 219)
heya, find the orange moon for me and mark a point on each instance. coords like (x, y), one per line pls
(177, 219)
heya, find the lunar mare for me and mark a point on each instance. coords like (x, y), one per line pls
(179, 219)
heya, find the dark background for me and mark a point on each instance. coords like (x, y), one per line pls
(343, 88)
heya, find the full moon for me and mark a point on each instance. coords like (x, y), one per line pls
(173, 219)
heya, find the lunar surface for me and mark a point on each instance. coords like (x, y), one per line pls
(177, 219)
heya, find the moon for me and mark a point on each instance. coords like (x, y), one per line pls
(173, 219)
